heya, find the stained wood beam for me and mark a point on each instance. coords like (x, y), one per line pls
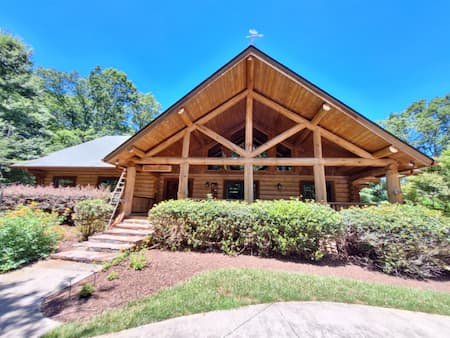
(323, 110)
(184, 115)
(136, 151)
(270, 161)
(183, 180)
(222, 140)
(320, 185)
(130, 179)
(213, 113)
(393, 187)
(277, 139)
(325, 133)
(385, 152)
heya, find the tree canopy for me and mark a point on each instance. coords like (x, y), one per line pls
(43, 110)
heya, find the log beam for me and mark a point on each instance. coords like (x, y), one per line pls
(136, 151)
(222, 140)
(183, 180)
(319, 170)
(277, 139)
(184, 115)
(393, 187)
(130, 180)
(325, 133)
(270, 161)
(323, 110)
(385, 152)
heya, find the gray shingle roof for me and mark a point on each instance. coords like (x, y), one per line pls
(88, 154)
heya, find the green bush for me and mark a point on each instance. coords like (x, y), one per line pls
(26, 234)
(138, 261)
(91, 216)
(112, 276)
(86, 290)
(400, 239)
(263, 228)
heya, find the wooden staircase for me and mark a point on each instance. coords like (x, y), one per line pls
(107, 245)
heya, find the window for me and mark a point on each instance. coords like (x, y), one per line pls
(234, 190)
(110, 182)
(215, 151)
(307, 191)
(283, 151)
(64, 181)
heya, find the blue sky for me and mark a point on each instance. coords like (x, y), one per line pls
(377, 56)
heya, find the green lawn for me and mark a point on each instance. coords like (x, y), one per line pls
(232, 288)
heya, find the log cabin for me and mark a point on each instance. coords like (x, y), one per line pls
(253, 130)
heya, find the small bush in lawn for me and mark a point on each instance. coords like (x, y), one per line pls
(138, 261)
(113, 275)
(400, 239)
(50, 199)
(264, 227)
(26, 234)
(91, 216)
(86, 290)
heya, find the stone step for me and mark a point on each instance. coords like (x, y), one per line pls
(135, 221)
(111, 238)
(122, 231)
(84, 256)
(136, 226)
(104, 246)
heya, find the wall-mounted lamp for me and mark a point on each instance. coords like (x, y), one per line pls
(279, 186)
(207, 184)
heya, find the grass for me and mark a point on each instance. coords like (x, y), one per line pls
(232, 288)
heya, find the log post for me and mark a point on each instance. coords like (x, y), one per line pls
(248, 166)
(183, 180)
(129, 190)
(319, 170)
(393, 187)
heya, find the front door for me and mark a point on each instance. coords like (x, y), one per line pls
(171, 189)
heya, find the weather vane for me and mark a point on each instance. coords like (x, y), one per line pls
(253, 36)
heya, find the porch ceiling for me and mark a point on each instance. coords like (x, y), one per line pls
(278, 84)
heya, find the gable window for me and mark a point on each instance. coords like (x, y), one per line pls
(110, 182)
(64, 181)
(234, 190)
(308, 191)
(283, 151)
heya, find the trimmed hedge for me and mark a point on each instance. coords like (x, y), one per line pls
(26, 234)
(287, 228)
(50, 199)
(400, 239)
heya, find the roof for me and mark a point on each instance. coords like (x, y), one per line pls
(276, 82)
(88, 154)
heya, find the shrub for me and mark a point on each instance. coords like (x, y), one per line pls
(138, 261)
(50, 199)
(86, 290)
(113, 275)
(91, 216)
(26, 234)
(264, 227)
(400, 239)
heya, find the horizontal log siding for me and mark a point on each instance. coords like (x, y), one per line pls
(267, 185)
(84, 177)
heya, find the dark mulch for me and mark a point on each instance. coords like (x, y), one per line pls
(169, 268)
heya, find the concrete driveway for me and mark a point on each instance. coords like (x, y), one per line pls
(299, 319)
(22, 291)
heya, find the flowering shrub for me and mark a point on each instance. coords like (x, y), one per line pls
(48, 198)
(263, 228)
(26, 234)
(400, 239)
(91, 216)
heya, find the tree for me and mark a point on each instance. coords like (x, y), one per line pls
(423, 125)
(144, 111)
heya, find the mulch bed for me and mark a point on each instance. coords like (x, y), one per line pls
(166, 269)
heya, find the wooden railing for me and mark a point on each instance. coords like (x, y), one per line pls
(345, 205)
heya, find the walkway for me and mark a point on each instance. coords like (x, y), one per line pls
(22, 291)
(299, 319)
